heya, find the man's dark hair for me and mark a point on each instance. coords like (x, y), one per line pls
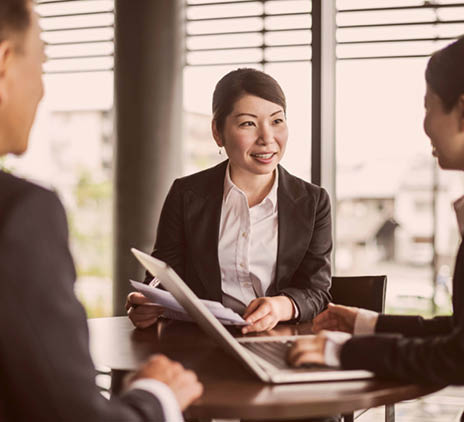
(14, 17)
(445, 73)
(238, 83)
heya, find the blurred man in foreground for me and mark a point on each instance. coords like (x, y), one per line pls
(46, 370)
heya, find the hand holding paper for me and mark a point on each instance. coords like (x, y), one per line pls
(173, 310)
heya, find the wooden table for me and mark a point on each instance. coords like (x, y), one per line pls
(231, 391)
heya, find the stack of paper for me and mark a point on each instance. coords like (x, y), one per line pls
(174, 310)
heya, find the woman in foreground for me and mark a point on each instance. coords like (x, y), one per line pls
(408, 347)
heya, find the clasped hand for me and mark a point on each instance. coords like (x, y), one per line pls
(312, 350)
(264, 313)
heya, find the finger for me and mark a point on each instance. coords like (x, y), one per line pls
(142, 312)
(331, 325)
(339, 310)
(137, 318)
(308, 357)
(146, 310)
(263, 310)
(310, 344)
(263, 324)
(322, 316)
(136, 298)
(254, 304)
(146, 323)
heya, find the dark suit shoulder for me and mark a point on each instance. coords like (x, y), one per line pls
(15, 191)
(297, 187)
(204, 182)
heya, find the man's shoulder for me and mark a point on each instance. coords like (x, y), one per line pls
(16, 190)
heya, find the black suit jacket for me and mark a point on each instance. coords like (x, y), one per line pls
(188, 233)
(426, 351)
(46, 370)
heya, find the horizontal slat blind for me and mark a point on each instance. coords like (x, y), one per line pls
(260, 32)
(79, 35)
(396, 28)
(247, 32)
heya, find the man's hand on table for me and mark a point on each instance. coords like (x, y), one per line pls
(183, 383)
(336, 318)
(333, 328)
(141, 311)
(308, 350)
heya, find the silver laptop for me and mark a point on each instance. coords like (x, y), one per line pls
(265, 359)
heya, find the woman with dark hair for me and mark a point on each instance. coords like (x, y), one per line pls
(423, 350)
(246, 232)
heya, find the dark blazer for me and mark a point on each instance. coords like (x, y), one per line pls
(425, 351)
(188, 233)
(46, 370)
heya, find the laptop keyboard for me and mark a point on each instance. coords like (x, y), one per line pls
(274, 352)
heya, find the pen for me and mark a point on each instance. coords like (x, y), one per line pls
(154, 282)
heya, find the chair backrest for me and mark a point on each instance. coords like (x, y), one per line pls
(366, 292)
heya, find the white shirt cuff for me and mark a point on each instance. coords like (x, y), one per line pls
(296, 312)
(164, 394)
(365, 322)
(333, 346)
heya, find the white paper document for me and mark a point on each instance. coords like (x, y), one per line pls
(174, 309)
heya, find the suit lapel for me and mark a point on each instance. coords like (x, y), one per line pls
(295, 226)
(203, 220)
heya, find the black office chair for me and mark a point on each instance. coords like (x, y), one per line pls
(366, 292)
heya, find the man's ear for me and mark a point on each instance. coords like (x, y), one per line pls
(216, 135)
(6, 50)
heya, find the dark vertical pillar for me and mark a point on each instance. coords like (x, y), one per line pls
(323, 165)
(148, 126)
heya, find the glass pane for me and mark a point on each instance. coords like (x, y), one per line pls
(384, 17)
(104, 19)
(288, 6)
(224, 41)
(225, 56)
(225, 10)
(224, 25)
(103, 48)
(70, 7)
(70, 150)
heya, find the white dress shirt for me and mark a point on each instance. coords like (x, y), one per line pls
(247, 247)
(366, 320)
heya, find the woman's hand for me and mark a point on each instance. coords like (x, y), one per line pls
(141, 311)
(264, 313)
(308, 350)
(336, 318)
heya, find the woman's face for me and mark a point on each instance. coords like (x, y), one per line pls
(254, 136)
(445, 130)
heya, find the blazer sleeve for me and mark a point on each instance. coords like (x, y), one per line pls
(414, 326)
(309, 287)
(170, 244)
(47, 371)
(432, 359)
